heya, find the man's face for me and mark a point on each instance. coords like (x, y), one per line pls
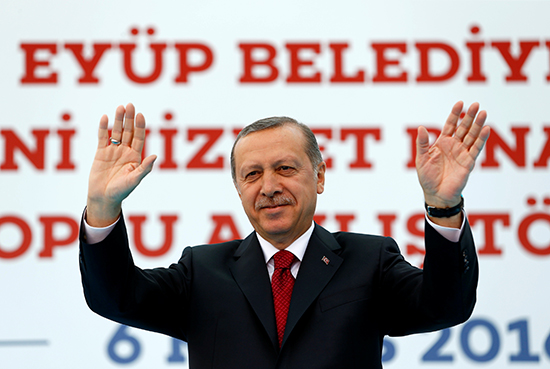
(276, 183)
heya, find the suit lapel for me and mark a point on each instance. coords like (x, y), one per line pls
(318, 266)
(250, 273)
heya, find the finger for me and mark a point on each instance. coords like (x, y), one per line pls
(103, 132)
(139, 135)
(475, 129)
(466, 123)
(422, 141)
(128, 132)
(480, 142)
(450, 125)
(116, 133)
(145, 168)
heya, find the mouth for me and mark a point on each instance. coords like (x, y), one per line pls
(273, 203)
(270, 207)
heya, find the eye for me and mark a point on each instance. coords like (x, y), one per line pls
(286, 169)
(252, 174)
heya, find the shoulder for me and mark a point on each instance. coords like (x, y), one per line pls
(366, 242)
(224, 251)
(350, 237)
(209, 251)
(360, 242)
(347, 237)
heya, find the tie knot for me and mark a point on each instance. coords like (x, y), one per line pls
(283, 259)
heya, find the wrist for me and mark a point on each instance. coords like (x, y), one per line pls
(446, 211)
(454, 221)
(442, 202)
(448, 226)
(99, 214)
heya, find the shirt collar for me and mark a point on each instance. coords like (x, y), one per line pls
(298, 247)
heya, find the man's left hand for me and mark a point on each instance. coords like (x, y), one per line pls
(443, 168)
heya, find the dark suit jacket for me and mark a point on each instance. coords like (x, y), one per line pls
(218, 298)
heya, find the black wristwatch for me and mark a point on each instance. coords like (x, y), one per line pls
(444, 212)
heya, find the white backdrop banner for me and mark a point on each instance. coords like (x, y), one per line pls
(364, 75)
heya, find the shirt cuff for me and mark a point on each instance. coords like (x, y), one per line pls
(451, 234)
(97, 234)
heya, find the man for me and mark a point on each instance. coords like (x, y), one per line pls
(338, 295)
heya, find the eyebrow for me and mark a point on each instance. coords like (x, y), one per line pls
(291, 160)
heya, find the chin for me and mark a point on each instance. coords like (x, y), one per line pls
(277, 229)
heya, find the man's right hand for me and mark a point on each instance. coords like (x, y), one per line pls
(117, 169)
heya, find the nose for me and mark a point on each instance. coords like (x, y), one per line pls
(271, 185)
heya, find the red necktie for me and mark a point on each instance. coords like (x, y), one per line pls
(282, 283)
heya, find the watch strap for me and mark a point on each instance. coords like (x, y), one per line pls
(445, 212)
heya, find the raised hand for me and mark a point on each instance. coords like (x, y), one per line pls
(444, 167)
(117, 168)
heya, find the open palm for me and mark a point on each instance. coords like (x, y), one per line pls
(117, 168)
(443, 168)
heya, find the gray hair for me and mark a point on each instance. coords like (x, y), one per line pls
(311, 147)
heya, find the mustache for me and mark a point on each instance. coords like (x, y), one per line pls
(270, 202)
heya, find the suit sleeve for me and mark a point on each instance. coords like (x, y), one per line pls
(115, 288)
(440, 295)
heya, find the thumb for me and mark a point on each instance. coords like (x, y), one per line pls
(145, 167)
(422, 141)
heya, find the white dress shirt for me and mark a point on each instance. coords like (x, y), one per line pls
(298, 247)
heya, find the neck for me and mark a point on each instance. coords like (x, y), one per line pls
(281, 242)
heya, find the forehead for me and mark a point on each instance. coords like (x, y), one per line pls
(269, 142)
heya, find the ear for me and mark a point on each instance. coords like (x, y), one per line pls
(321, 169)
